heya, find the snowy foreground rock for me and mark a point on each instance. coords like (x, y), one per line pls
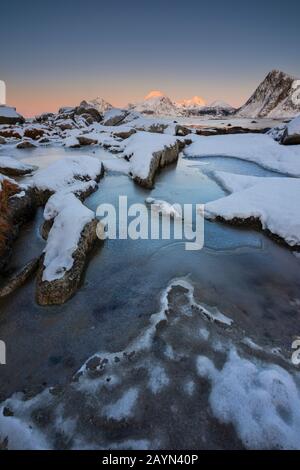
(17, 206)
(70, 227)
(146, 153)
(12, 167)
(271, 203)
(71, 237)
(72, 174)
(287, 134)
(9, 115)
(291, 135)
(256, 148)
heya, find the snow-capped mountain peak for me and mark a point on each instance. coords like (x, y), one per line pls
(156, 103)
(220, 104)
(100, 104)
(196, 101)
(277, 96)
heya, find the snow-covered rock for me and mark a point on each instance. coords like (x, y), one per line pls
(270, 202)
(26, 144)
(257, 148)
(9, 115)
(12, 167)
(17, 206)
(278, 96)
(291, 135)
(114, 116)
(86, 109)
(71, 237)
(65, 174)
(146, 153)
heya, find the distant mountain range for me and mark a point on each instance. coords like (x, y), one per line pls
(277, 96)
(158, 104)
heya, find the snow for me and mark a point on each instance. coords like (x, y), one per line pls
(100, 104)
(66, 172)
(165, 208)
(158, 378)
(13, 164)
(293, 127)
(71, 141)
(53, 205)
(260, 400)
(195, 102)
(114, 113)
(118, 165)
(71, 216)
(257, 148)
(20, 434)
(123, 407)
(273, 201)
(221, 104)
(140, 147)
(156, 103)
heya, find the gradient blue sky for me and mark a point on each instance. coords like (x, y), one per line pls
(58, 52)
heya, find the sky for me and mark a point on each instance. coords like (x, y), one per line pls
(55, 53)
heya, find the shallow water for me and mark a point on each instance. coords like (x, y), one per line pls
(244, 274)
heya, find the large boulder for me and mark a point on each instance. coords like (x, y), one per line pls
(78, 175)
(9, 115)
(291, 134)
(71, 237)
(11, 167)
(17, 206)
(159, 160)
(114, 117)
(146, 153)
(86, 108)
(34, 133)
(11, 133)
(25, 144)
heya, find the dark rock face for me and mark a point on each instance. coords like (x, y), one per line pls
(124, 134)
(213, 112)
(209, 131)
(44, 117)
(290, 139)
(34, 133)
(86, 108)
(19, 211)
(116, 118)
(83, 140)
(182, 130)
(25, 144)
(159, 160)
(11, 171)
(59, 291)
(274, 97)
(10, 133)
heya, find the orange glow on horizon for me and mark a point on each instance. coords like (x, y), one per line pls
(32, 100)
